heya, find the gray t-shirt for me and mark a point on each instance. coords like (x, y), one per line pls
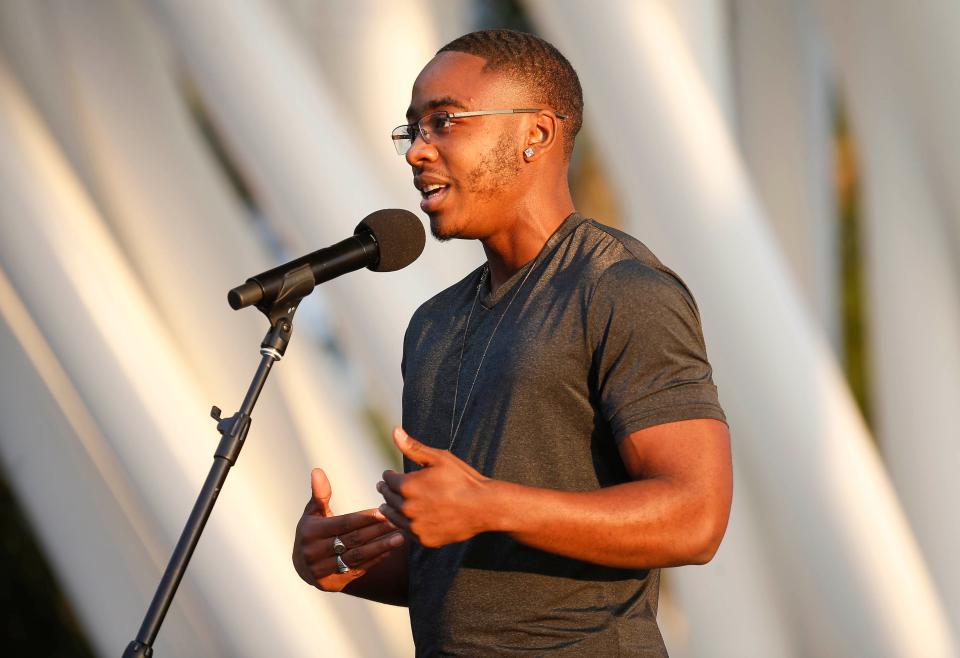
(596, 341)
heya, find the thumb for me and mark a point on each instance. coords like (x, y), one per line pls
(320, 486)
(413, 449)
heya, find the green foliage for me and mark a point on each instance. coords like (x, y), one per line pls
(853, 309)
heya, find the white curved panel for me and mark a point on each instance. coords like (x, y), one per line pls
(31, 45)
(314, 179)
(740, 574)
(785, 134)
(843, 549)
(387, 44)
(733, 606)
(187, 243)
(705, 26)
(921, 59)
(111, 346)
(88, 516)
(190, 242)
(912, 264)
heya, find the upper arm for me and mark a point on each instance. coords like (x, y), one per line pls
(650, 362)
(697, 449)
(694, 457)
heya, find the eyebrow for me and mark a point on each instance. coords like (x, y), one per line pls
(446, 101)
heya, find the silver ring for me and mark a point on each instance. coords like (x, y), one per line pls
(338, 546)
(341, 565)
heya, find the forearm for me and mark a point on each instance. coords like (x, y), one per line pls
(648, 523)
(674, 511)
(384, 582)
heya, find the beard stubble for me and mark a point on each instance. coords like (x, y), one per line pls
(496, 169)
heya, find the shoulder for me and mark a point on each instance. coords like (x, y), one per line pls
(624, 268)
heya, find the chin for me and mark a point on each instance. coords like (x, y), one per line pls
(441, 231)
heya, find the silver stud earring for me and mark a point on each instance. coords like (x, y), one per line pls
(528, 152)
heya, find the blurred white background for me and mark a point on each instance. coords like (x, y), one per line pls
(796, 161)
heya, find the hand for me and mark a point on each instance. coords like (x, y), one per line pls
(443, 503)
(368, 536)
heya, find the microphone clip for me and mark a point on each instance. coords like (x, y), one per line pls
(297, 284)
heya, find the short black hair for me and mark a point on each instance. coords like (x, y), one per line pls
(535, 63)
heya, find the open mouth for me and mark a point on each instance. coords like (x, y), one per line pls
(432, 190)
(431, 195)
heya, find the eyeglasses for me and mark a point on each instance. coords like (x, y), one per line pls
(439, 123)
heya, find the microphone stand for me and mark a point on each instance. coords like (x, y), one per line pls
(233, 430)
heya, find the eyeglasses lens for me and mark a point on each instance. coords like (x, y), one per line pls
(435, 123)
(403, 137)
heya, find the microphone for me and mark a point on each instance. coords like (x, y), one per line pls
(385, 241)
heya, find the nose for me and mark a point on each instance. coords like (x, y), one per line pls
(421, 151)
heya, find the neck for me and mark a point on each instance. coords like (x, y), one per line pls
(523, 238)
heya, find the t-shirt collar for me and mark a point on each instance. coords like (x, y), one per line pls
(568, 225)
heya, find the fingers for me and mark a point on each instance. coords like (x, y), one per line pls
(360, 557)
(365, 552)
(322, 547)
(366, 536)
(414, 450)
(317, 527)
(392, 508)
(395, 517)
(358, 570)
(390, 489)
(393, 480)
(321, 491)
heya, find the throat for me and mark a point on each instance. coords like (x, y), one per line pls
(519, 242)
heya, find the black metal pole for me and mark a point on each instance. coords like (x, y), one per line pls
(233, 431)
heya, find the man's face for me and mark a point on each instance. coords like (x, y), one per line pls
(478, 161)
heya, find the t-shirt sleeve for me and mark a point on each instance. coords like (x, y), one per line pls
(649, 362)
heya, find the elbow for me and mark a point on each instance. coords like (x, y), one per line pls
(711, 523)
(706, 550)
(708, 535)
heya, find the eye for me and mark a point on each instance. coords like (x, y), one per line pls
(438, 122)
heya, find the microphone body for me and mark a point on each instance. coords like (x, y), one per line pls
(384, 241)
(354, 253)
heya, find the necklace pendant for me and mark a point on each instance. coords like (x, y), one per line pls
(483, 277)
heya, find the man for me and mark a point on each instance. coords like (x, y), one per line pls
(569, 441)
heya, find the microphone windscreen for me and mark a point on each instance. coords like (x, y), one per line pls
(400, 237)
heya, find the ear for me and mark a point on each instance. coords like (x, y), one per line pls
(543, 135)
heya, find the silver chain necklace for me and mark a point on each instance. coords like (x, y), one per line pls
(463, 345)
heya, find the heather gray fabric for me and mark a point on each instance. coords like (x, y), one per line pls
(600, 341)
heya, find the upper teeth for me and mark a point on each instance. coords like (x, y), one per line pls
(430, 188)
